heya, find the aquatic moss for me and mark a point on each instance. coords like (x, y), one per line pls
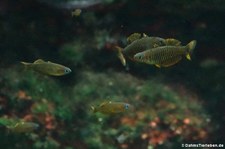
(73, 52)
(159, 106)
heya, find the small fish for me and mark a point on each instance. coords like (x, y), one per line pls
(110, 107)
(138, 45)
(23, 127)
(76, 12)
(47, 68)
(165, 56)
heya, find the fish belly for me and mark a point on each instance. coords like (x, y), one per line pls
(44, 69)
(170, 62)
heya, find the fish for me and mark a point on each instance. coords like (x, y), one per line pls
(138, 44)
(76, 12)
(23, 127)
(165, 56)
(47, 68)
(109, 107)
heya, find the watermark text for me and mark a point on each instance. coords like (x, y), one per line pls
(201, 145)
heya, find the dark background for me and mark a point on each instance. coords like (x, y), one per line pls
(35, 29)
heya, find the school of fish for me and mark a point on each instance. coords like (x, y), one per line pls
(154, 50)
(141, 48)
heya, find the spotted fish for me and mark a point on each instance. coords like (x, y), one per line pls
(139, 43)
(165, 56)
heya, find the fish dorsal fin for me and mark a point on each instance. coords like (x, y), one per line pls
(50, 62)
(157, 65)
(104, 103)
(39, 61)
(173, 42)
(133, 37)
(93, 109)
(144, 35)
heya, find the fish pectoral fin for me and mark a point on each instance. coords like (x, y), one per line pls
(120, 55)
(122, 59)
(93, 109)
(39, 61)
(157, 65)
(188, 56)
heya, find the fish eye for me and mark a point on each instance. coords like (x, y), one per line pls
(67, 70)
(126, 106)
(139, 57)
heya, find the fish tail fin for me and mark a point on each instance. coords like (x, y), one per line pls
(93, 109)
(120, 55)
(26, 64)
(190, 47)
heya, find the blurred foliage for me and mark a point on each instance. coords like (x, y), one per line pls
(161, 113)
(179, 104)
